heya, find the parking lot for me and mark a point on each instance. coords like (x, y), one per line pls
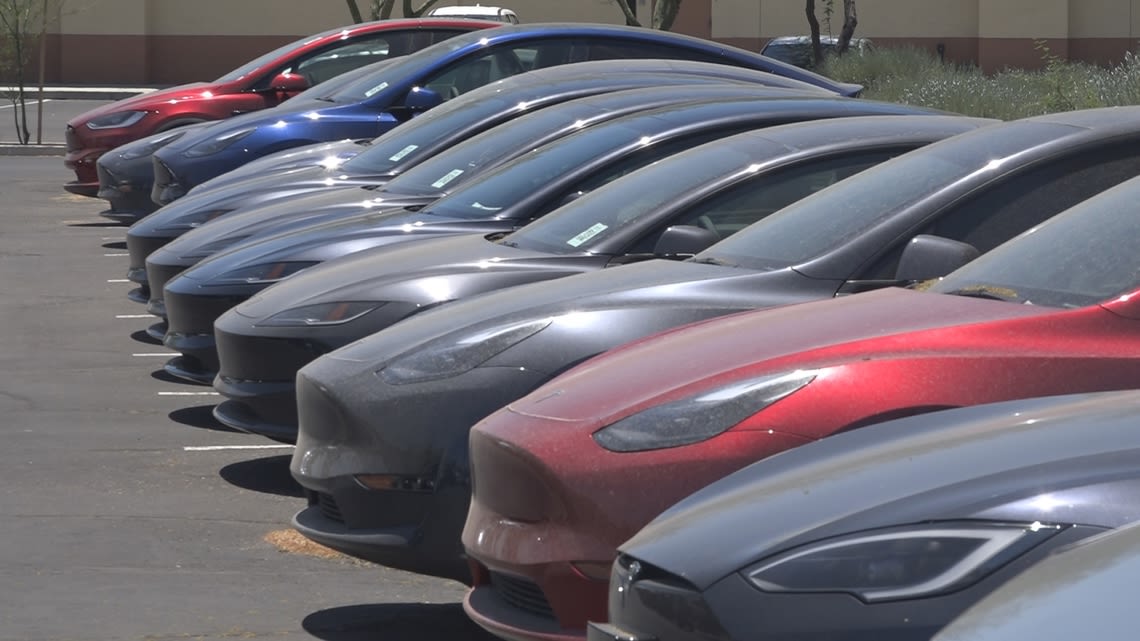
(128, 513)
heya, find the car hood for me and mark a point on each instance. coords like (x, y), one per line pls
(426, 272)
(148, 100)
(294, 109)
(779, 341)
(279, 217)
(276, 185)
(325, 154)
(1016, 450)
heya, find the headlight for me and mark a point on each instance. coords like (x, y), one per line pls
(320, 314)
(192, 221)
(218, 143)
(900, 563)
(451, 358)
(153, 145)
(701, 417)
(267, 273)
(120, 119)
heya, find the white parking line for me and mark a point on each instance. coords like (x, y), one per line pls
(117, 254)
(154, 354)
(215, 448)
(113, 238)
(118, 280)
(28, 103)
(135, 316)
(189, 394)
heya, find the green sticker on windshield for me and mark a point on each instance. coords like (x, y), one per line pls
(403, 152)
(594, 230)
(448, 177)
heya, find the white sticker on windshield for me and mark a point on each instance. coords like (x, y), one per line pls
(596, 229)
(375, 90)
(448, 177)
(403, 152)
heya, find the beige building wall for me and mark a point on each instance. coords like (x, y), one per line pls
(169, 41)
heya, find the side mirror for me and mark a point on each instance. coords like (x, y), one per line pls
(421, 99)
(685, 240)
(927, 257)
(289, 83)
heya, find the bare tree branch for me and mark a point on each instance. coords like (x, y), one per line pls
(664, 13)
(813, 25)
(409, 12)
(628, 8)
(354, 11)
(850, 21)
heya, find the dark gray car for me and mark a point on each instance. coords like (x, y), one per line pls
(430, 180)
(703, 194)
(887, 532)
(399, 404)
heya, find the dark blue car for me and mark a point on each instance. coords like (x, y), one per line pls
(378, 102)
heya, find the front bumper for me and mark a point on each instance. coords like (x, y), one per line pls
(555, 520)
(190, 315)
(125, 185)
(166, 187)
(138, 248)
(415, 436)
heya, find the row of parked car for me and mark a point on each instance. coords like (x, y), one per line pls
(573, 311)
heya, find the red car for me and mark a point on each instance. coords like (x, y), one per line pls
(258, 84)
(569, 472)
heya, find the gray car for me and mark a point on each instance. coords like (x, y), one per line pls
(886, 532)
(397, 406)
(674, 208)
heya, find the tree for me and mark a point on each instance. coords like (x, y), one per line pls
(850, 21)
(664, 13)
(23, 24)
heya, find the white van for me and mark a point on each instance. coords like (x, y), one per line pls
(477, 11)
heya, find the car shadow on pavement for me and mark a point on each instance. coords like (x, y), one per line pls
(109, 223)
(200, 416)
(115, 245)
(268, 475)
(142, 337)
(167, 377)
(394, 622)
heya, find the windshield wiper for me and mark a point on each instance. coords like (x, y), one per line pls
(985, 292)
(712, 260)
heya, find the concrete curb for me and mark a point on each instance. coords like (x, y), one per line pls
(80, 93)
(32, 150)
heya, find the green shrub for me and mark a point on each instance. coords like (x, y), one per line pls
(917, 77)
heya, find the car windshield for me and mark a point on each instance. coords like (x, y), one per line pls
(406, 144)
(264, 59)
(1081, 257)
(587, 221)
(496, 192)
(830, 218)
(443, 172)
(410, 65)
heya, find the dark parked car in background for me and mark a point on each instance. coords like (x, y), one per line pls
(705, 193)
(1054, 311)
(258, 84)
(797, 50)
(418, 387)
(887, 532)
(498, 202)
(432, 179)
(428, 78)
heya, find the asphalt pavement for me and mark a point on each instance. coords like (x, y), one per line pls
(127, 512)
(56, 113)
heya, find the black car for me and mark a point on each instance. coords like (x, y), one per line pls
(432, 179)
(674, 208)
(499, 202)
(887, 532)
(399, 404)
(438, 129)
